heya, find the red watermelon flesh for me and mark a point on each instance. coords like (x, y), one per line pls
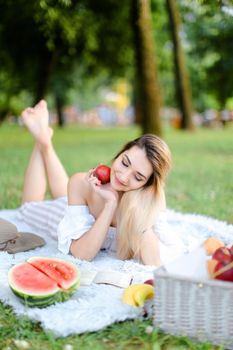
(65, 274)
(27, 279)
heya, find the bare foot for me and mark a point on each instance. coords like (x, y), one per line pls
(37, 121)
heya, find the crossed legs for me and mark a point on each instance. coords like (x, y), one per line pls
(44, 164)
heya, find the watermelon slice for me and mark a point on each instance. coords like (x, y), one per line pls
(66, 275)
(42, 281)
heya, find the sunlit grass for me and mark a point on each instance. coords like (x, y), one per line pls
(201, 182)
(130, 335)
(202, 177)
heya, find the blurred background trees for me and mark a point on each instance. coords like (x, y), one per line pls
(70, 51)
(182, 84)
(146, 71)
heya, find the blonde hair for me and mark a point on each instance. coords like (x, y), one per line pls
(138, 208)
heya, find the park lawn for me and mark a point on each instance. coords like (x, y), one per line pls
(201, 181)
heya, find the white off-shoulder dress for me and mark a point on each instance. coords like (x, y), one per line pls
(69, 222)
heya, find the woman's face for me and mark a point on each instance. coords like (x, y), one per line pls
(130, 170)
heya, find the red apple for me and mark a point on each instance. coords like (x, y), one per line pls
(226, 275)
(150, 281)
(222, 254)
(102, 172)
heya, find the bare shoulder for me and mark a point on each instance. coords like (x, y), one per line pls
(78, 189)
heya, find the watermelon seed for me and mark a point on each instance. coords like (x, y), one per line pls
(57, 269)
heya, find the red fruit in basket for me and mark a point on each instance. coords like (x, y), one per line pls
(231, 249)
(226, 274)
(211, 264)
(222, 254)
(150, 281)
(102, 172)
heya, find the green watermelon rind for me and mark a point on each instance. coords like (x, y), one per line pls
(41, 300)
(31, 297)
(31, 301)
(35, 301)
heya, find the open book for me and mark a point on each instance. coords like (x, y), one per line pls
(115, 278)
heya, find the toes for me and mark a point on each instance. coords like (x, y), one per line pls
(41, 104)
(27, 111)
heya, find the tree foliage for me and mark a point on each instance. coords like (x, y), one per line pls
(46, 43)
(50, 46)
(209, 34)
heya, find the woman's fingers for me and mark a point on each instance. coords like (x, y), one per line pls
(105, 191)
(91, 172)
(93, 180)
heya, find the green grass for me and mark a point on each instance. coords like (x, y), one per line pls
(201, 182)
(202, 177)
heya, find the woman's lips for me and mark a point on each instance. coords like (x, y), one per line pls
(118, 182)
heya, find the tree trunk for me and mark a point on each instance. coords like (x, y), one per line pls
(146, 68)
(183, 90)
(46, 67)
(3, 114)
(60, 114)
(137, 103)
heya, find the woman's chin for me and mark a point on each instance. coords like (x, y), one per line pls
(116, 186)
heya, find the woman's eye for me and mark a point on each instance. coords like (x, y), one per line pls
(138, 179)
(124, 163)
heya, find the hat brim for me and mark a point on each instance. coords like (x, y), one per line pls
(24, 242)
(12, 241)
(7, 231)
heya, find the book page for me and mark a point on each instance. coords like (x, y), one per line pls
(116, 278)
(87, 277)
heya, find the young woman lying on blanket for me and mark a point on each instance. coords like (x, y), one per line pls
(125, 215)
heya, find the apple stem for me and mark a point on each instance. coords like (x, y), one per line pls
(223, 269)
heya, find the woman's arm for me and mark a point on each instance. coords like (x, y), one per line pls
(79, 188)
(87, 246)
(149, 249)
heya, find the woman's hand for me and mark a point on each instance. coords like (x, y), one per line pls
(105, 191)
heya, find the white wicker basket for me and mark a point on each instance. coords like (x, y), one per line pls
(201, 310)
